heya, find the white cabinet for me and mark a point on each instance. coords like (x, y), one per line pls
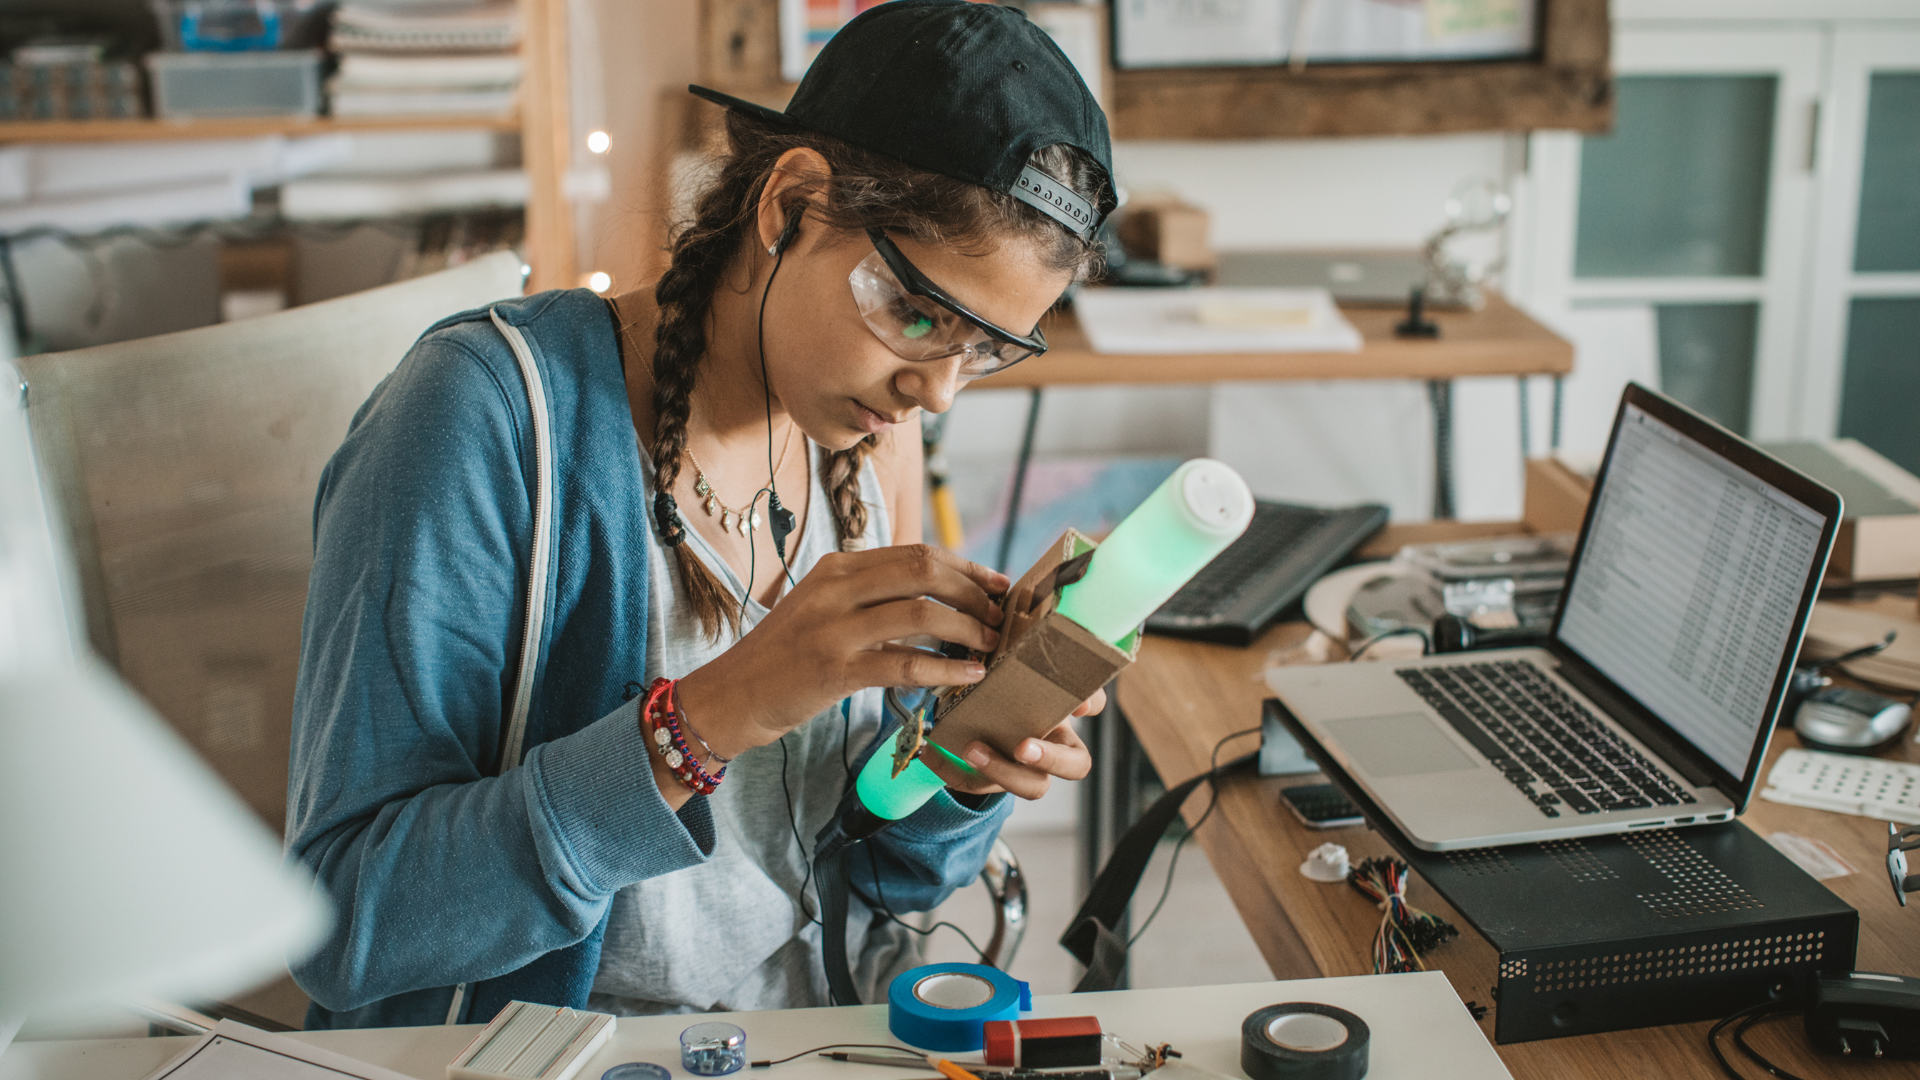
(1761, 193)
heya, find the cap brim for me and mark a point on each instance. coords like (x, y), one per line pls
(761, 112)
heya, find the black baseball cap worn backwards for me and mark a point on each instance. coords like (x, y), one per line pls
(961, 89)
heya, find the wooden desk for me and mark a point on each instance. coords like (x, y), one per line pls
(1182, 697)
(1419, 1032)
(1498, 340)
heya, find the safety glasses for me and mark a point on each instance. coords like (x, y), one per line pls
(918, 321)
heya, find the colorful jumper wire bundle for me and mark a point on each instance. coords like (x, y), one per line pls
(1405, 932)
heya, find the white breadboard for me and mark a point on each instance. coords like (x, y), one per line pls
(1868, 786)
(532, 1042)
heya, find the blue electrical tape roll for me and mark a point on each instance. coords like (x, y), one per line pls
(946, 1007)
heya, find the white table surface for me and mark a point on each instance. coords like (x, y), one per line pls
(1420, 1030)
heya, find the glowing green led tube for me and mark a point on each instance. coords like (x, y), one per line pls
(894, 797)
(1189, 518)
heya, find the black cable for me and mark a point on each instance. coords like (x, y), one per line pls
(793, 823)
(1173, 862)
(766, 397)
(1746, 1018)
(880, 893)
(1740, 1040)
(1426, 644)
(835, 1046)
(1713, 1039)
(846, 734)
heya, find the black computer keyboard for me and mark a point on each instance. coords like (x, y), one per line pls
(1548, 744)
(1285, 549)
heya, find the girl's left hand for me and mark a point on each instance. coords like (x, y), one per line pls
(1034, 765)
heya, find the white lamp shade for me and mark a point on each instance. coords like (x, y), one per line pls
(126, 867)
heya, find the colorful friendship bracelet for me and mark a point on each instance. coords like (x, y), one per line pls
(662, 711)
(687, 724)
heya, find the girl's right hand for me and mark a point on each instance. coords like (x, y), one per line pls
(833, 634)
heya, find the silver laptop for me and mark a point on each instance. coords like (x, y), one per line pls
(1651, 704)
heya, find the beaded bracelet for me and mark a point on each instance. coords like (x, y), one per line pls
(688, 730)
(663, 713)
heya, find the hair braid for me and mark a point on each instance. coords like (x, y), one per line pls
(684, 294)
(842, 481)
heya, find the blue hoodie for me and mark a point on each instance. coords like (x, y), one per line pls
(446, 865)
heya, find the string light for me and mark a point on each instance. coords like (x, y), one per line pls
(600, 281)
(599, 141)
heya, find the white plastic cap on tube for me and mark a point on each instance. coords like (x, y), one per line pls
(1214, 497)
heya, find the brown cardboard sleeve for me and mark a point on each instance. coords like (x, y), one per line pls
(1046, 664)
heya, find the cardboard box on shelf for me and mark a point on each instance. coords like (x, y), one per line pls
(1556, 496)
(1166, 230)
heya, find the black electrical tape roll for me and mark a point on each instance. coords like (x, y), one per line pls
(1304, 1040)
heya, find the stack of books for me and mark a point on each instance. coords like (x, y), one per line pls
(426, 58)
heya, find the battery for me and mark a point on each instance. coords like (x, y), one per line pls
(1043, 1044)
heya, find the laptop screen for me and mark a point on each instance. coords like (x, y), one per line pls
(1689, 583)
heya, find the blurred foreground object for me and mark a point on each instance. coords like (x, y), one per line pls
(126, 867)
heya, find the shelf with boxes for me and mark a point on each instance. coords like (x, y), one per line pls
(526, 59)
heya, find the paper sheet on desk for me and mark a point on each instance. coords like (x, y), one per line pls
(234, 1051)
(1213, 320)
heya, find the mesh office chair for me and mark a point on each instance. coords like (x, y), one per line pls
(184, 468)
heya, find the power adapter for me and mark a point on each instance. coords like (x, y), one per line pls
(1866, 1014)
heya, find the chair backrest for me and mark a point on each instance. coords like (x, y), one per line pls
(185, 468)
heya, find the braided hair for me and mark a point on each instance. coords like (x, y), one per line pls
(863, 190)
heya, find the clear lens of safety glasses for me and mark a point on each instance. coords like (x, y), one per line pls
(916, 328)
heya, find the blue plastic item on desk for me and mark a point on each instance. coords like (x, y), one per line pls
(638, 1070)
(946, 1007)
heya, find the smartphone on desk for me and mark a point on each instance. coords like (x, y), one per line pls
(1321, 806)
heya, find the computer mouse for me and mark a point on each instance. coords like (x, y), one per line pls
(1850, 721)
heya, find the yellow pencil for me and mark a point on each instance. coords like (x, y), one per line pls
(949, 1069)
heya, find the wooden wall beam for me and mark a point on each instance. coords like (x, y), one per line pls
(1569, 86)
(546, 146)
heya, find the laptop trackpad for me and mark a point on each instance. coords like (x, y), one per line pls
(1401, 745)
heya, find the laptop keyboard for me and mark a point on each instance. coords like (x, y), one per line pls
(1549, 745)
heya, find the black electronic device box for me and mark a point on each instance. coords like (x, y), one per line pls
(1635, 929)
(1321, 806)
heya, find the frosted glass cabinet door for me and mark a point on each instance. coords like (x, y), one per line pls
(1679, 189)
(1880, 399)
(1697, 204)
(1863, 340)
(1888, 236)
(1706, 357)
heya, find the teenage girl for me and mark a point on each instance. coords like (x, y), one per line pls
(730, 478)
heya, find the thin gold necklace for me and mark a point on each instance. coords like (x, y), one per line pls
(745, 521)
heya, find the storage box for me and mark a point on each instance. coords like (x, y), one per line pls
(239, 25)
(1556, 497)
(1167, 231)
(198, 85)
(1046, 664)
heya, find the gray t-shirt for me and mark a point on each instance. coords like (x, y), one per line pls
(730, 933)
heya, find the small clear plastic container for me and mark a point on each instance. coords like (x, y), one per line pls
(193, 85)
(713, 1049)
